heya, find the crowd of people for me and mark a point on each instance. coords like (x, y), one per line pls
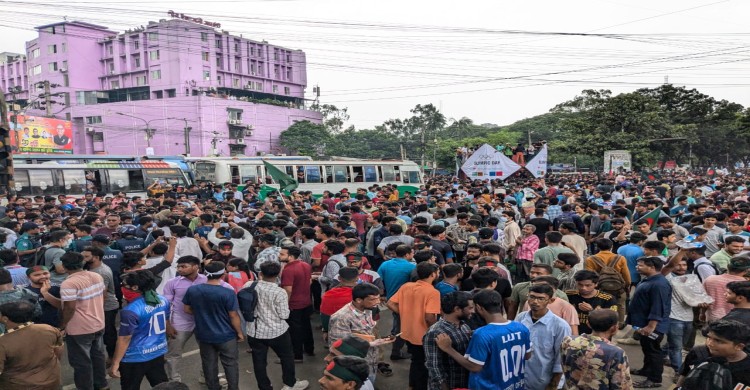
(521, 284)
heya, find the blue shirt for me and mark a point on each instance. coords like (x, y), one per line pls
(631, 252)
(501, 350)
(147, 325)
(547, 335)
(445, 288)
(652, 301)
(211, 306)
(395, 272)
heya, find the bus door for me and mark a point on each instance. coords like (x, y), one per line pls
(234, 174)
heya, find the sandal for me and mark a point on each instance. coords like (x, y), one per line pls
(647, 384)
(385, 369)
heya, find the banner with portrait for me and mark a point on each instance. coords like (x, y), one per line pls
(35, 134)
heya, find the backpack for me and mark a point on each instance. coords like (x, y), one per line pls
(717, 271)
(708, 376)
(610, 279)
(248, 301)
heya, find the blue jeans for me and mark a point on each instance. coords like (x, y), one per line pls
(677, 336)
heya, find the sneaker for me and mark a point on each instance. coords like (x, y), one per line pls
(628, 341)
(222, 380)
(299, 385)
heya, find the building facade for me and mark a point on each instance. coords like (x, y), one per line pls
(170, 87)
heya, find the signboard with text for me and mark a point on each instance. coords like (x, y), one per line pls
(35, 134)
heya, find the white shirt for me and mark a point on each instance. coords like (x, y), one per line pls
(188, 246)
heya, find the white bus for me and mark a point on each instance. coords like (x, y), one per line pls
(315, 176)
(74, 179)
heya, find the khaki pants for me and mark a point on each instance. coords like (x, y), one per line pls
(620, 296)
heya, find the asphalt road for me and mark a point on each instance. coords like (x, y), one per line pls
(312, 367)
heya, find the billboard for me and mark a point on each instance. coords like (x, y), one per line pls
(35, 134)
(617, 160)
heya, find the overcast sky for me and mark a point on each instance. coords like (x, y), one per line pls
(492, 61)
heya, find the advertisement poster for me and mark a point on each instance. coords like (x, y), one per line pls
(617, 161)
(488, 163)
(34, 134)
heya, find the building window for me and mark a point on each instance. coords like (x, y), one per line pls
(136, 44)
(286, 90)
(206, 75)
(158, 95)
(275, 54)
(92, 120)
(259, 86)
(114, 84)
(63, 47)
(276, 72)
(252, 68)
(36, 70)
(275, 89)
(234, 114)
(136, 62)
(154, 55)
(288, 57)
(204, 37)
(140, 80)
(110, 49)
(218, 43)
(51, 49)
(35, 53)
(289, 74)
(237, 66)
(236, 83)
(10, 70)
(236, 149)
(156, 74)
(219, 62)
(204, 56)
(171, 93)
(252, 50)
(236, 47)
(153, 36)
(66, 80)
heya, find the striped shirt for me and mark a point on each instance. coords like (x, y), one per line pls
(271, 311)
(86, 289)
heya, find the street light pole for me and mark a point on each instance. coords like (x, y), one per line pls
(149, 131)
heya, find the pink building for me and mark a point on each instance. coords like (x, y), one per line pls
(170, 87)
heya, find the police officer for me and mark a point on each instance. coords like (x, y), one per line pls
(128, 240)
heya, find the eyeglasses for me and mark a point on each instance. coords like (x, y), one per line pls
(538, 299)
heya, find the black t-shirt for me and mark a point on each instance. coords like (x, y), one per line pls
(503, 286)
(50, 314)
(542, 226)
(737, 314)
(740, 370)
(443, 248)
(601, 300)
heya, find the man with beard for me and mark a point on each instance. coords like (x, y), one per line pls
(49, 296)
(456, 307)
(473, 253)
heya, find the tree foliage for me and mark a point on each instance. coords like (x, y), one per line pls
(655, 124)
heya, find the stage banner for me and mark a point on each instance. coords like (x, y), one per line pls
(538, 165)
(35, 134)
(488, 163)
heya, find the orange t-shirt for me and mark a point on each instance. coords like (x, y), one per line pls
(414, 301)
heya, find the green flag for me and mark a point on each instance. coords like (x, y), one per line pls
(286, 182)
(650, 218)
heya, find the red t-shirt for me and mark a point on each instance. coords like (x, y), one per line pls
(298, 275)
(360, 220)
(317, 252)
(334, 299)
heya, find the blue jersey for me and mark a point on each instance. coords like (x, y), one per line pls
(501, 350)
(148, 327)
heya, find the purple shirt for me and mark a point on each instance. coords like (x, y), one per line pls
(174, 291)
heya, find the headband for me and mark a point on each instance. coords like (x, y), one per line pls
(36, 268)
(347, 349)
(217, 273)
(343, 373)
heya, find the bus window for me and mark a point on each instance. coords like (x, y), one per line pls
(74, 181)
(21, 178)
(388, 173)
(359, 174)
(371, 173)
(119, 180)
(341, 173)
(234, 173)
(411, 177)
(249, 172)
(313, 173)
(205, 171)
(41, 182)
(329, 174)
(300, 175)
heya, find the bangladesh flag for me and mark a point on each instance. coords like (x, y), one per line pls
(286, 182)
(650, 176)
(711, 172)
(650, 218)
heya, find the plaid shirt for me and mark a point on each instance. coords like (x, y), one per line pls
(348, 320)
(528, 246)
(441, 367)
(553, 212)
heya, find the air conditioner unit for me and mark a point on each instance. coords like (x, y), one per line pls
(63, 70)
(248, 133)
(89, 130)
(111, 72)
(240, 141)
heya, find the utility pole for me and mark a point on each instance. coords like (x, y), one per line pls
(421, 163)
(187, 137)
(6, 158)
(47, 99)
(214, 141)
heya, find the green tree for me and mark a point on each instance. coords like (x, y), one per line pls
(334, 118)
(306, 138)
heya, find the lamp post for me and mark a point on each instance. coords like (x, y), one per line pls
(149, 131)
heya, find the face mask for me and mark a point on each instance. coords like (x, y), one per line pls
(129, 295)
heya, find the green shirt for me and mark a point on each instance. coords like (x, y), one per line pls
(721, 259)
(548, 255)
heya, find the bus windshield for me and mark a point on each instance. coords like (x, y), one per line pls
(165, 176)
